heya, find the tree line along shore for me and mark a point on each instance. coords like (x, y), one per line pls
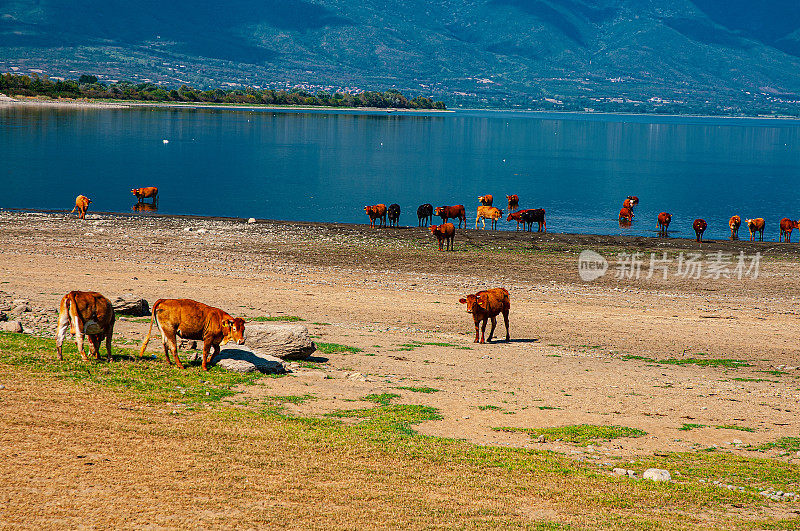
(90, 87)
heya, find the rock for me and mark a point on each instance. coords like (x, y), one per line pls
(22, 308)
(736, 442)
(620, 471)
(130, 304)
(240, 358)
(202, 231)
(2, 387)
(657, 474)
(3, 317)
(285, 341)
(13, 326)
(631, 473)
(251, 220)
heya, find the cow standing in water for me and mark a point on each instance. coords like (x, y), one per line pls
(756, 226)
(486, 200)
(787, 225)
(734, 223)
(699, 227)
(664, 219)
(513, 202)
(486, 305)
(149, 192)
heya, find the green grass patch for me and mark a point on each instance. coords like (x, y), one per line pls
(735, 427)
(544, 408)
(581, 434)
(331, 348)
(321, 324)
(755, 380)
(731, 364)
(384, 399)
(417, 344)
(689, 426)
(283, 318)
(426, 390)
(292, 399)
(488, 408)
(791, 444)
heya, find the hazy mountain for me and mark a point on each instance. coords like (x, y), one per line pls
(511, 51)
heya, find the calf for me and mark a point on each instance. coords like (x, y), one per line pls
(699, 227)
(145, 193)
(376, 212)
(85, 312)
(425, 214)
(486, 200)
(756, 226)
(393, 213)
(190, 319)
(531, 216)
(734, 223)
(513, 202)
(625, 214)
(445, 233)
(628, 203)
(664, 219)
(787, 225)
(81, 205)
(486, 305)
(456, 211)
(488, 212)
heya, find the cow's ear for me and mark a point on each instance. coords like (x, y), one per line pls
(462, 301)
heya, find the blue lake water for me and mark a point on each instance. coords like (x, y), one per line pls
(326, 165)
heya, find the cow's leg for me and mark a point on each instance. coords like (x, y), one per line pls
(206, 348)
(494, 324)
(505, 318)
(483, 330)
(61, 332)
(173, 346)
(108, 340)
(215, 350)
(477, 331)
(94, 343)
(79, 337)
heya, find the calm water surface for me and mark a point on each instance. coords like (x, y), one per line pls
(326, 165)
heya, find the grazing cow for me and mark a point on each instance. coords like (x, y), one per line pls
(445, 233)
(664, 219)
(145, 193)
(787, 225)
(393, 213)
(425, 214)
(513, 202)
(490, 212)
(456, 211)
(486, 305)
(734, 223)
(626, 214)
(634, 199)
(376, 212)
(190, 319)
(486, 200)
(699, 227)
(85, 312)
(81, 205)
(531, 216)
(756, 226)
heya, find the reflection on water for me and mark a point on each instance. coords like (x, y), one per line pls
(145, 207)
(326, 165)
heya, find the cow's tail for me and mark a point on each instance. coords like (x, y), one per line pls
(74, 208)
(150, 330)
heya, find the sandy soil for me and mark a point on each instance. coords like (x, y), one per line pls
(382, 289)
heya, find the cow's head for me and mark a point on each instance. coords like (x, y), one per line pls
(368, 209)
(233, 330)
(434, 229)
(135, 191)
(439, 211)
(474, 300)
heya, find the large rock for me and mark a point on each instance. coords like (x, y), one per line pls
(240, 358)
(12, 326)
(130, 304)
(657, 474)
(285, 341)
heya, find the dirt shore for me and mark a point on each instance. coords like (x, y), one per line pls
(581, 352)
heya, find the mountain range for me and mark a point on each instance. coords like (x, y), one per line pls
(505, 53)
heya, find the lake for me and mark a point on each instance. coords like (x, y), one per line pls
(326, 165)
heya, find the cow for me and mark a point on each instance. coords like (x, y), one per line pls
(734, 223)
(513, 202)
(664, 219)
(486, 200)
(486, 305)
(445, 233)
(85, 312)
(755, 226)
(517, 216)
(456, 211)
(625, 214)
(699, 227)
(531, 216)
(81, 205)
(190, 319)
(628, 204)
(490, 212)
(634, 199)
(393, 213)
(425, 214)
(145, 193)
(376, 212)
(787, 225)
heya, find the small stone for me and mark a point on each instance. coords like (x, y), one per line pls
(187, 229)
(22, 308)
(631, 474)
(2, 387)
(251, 220)
(541, 439)
(737, 442)
(13, 326)
(202, 231)
(657, 474)
(620, 471)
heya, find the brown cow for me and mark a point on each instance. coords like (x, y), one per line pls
(445, 233)
(756, 226)
(456, 211)
(626, 214)
(81, 205)
(85, 312)
(490, 212)
(629, 204)
(145, 193)
(376, 212)
(190, 319)
(533, 215)
(486, 200)
(513, 202)
(734, 223)
(517, 216)
(486, 305)
(787, 225)
(634, 199)
(699, 227)
(664, 219)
